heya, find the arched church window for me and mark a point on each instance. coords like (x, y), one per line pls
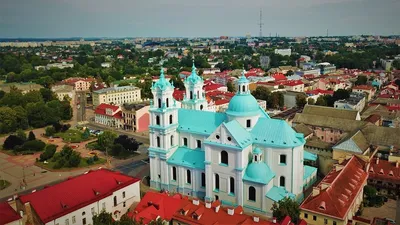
(167, 102)
(188, 177)
(191, 94)
(170, 119)
(224, 157)
(158, 142)
(173, 173)
(158, 120)
(216, 181)
(159, 103)
(282, 181)
(201, 107)
(172, 140)
(252, 193)
(243, 88)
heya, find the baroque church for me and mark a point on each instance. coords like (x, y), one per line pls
(239, 157)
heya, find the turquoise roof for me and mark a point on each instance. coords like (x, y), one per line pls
(200, 122)
(243, 105)
(309, 156)
(188, 158)
(194, 78)
(278, 193)
(162, 83)
(350, 146)
(257, 151)
(376, 83)
(241, 135)
(258, 173)
(276, 133)
(308, 171)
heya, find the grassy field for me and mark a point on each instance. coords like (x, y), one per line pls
(72, 136)
(4, 184)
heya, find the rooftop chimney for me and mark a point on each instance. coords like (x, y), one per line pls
(274, 220)
(196, 201)
(377, 160)
(208, 205)
(397, 164)
(217, 208)
(315, 191)
(231, 211)
(256, 219)
(324, 185)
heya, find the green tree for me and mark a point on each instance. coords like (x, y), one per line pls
(50, 131)
(47, 94)
(106, 140)
(261, 93)
(286, 207)
(103, 218)
(341, 94)
(396, 64)
(8, 121)
(86, 134)
(361, 80)
(12, 141)
(289, 73)
(31, 136)
(33, 97)
(301, 100)
(74, 159)
(21, 134)
(311, 101)
(230, 86)
(321, 101)
(48, 153)
(117, 149)
(22, 117)
(276, 100)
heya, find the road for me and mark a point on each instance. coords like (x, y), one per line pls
(139, 137)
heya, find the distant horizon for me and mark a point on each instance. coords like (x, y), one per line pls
(206, 18)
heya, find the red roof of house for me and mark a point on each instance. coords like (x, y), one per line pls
(73, 80)
(338, 190)
(319, 91)
(384, 170)
(363, 87)
(7, 213)
(309, 76)
(185, 73)
(60, 199)
(373, 118)
(279, 76)
(178, 94)
(222, 101)
(212, 87)
(290, 82)
(101, 109)
(180, 208)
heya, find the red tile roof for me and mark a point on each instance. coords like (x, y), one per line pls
(73, 80)
(7, 213)
(384, 170)
(279, 76)
(178, 94)
(182, 209)
(363, 87)
(101, 109)
(338, 190)
(75, 193)
(373, 118)
(319, 91)
(212, 87)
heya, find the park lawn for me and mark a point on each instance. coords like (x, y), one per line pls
(82, 164)
(93, 145)
(72, 136)
(4, 184)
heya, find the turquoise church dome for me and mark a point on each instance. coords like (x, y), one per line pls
(243, 105)
(258, 173)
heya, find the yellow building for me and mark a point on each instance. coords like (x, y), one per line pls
(337, 198)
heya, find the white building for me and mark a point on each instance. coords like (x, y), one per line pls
(78, 199)
(63, 90)
(240, 157)
(283, 52)
(356, 101)
(109, 115)
(116, 95)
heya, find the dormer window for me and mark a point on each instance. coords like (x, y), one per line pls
(322, 206)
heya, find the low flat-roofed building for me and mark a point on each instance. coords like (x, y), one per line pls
(23, 87)
(77, 199)
(356, 101)
(116, 95)
(63, 90)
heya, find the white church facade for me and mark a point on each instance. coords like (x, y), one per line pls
(240, 157)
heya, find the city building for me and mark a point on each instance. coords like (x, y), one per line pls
(326, 68)
(356, 101)
(176, 209)
(283, 52)
(77, 199)
(23, 87)
(369, 90)
(63, 90)
(136, 116)
(337, 198)
(79, 83)
(239, 157)
(109, 115)
(116, 95)
(384, 175)
(8, 216)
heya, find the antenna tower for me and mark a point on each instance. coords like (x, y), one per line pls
(261, 23)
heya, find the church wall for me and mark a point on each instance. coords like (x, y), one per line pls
(285, 170)
(260, 195)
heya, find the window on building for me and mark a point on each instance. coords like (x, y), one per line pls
(191, 94)
(216, 181)
(325, 221)
(159, 103)
(167, 102)
(282, 159)
(83, 213)
(198, 144)
(243, 88)
(314, 218)
(67, 222)
(306, 215)
(248, 123)
(203, 179)
(84, 221)
(123, 194)
(173, 173)
(185, 142)
(158, 120)
(104, 206)
(115, 201)
(158, 142)
(216, 197)
(73, 219)
(255, 158)
(92, 210)
(232, 185)
(170, 119)
(334, 222)
(124, 204)
(172, 140)
(252, 193)
(201, 107)
(229, 138)
(282, 181)
(224, 157)
(217, 136)
(188, 177)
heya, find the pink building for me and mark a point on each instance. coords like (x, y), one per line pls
(79, 83)
(136, 117)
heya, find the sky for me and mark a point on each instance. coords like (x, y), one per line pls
(200, 18)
